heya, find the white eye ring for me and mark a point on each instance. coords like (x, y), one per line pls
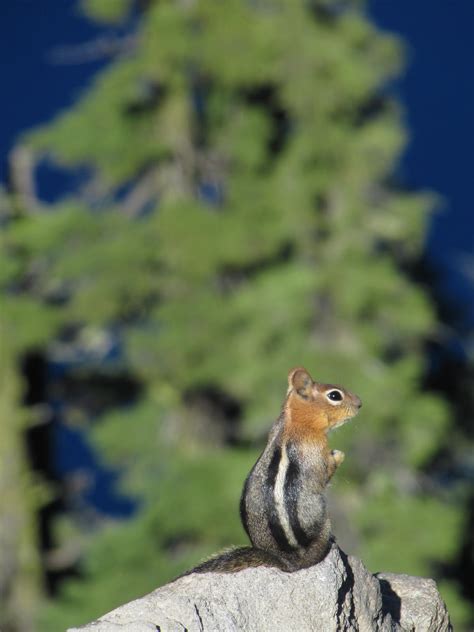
(339, 395)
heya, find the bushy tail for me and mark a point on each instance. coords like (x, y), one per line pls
(234, 560)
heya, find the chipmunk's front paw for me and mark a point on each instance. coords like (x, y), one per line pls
(338, 456)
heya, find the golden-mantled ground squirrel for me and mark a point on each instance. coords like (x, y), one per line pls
(283, 507)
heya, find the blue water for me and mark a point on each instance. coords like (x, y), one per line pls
(437, 92)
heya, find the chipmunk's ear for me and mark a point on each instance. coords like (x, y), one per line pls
(301, 381)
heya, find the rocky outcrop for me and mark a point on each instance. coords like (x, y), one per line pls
(336, 594)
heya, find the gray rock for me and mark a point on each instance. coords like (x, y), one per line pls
(337, 594)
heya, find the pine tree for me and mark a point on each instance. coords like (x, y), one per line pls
(20, 493)
(237, 216)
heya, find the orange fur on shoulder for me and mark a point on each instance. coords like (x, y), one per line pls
(305, 422)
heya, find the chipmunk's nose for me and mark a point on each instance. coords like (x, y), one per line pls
(358, 402)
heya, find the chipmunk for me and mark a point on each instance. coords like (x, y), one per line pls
(283, 507)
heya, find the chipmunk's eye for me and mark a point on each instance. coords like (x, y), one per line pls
(335, 396)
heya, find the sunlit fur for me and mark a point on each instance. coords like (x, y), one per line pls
(308, 412)
(283, 505)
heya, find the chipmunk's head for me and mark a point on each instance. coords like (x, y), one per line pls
(322, 406)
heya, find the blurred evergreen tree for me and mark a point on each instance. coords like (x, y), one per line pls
(21, 494)
(19, 561)
(237, 217)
